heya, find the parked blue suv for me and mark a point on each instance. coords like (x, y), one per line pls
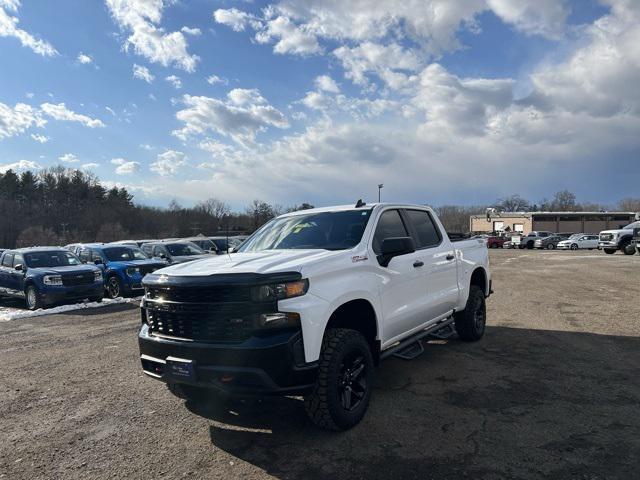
(123, 266)
(44, 276)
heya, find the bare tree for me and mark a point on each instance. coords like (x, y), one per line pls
(512, 203)
(629, 205)
(111, 232)
(37, 236)
(564, 201)
(214, 208)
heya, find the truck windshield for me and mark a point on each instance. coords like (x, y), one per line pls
(631, 226)
(123, 254)
(184, 249)
(325, 230)
(50, 259)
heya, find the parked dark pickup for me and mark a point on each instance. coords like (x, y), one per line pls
(44, 276)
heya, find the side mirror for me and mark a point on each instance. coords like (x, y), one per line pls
(163, 256)
(393, 247)
(98, 261)
(19, 267)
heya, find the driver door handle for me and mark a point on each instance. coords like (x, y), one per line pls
(450, 257)
(418, 263)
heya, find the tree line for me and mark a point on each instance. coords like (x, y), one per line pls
(57, 206)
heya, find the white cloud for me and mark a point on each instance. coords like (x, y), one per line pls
(142, 73)
(191, 31)
(89, 166)
(125, 167)
(213, 79)
(15, 120)
(111, 111)
(9, 28)
(39, 138)
(84, 59)
(536, 17)
(68, 158)
(234, 18)
(61, 112)
(174, 81)
(241, 116)
(146, 146)
(141, 18)
(168, 163)
(20, 166)
(327, 84)
(289, 38)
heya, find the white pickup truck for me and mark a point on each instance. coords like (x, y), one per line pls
(310, 304)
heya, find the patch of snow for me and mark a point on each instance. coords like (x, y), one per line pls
(10, 313)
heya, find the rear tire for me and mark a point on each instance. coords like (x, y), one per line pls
(470, 323)
(551, 246)
(341, 395)
(610, 251)
(574, 246)
(32, 298)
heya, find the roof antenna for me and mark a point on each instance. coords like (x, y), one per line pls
(360, 203)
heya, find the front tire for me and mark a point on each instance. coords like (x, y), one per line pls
(32, 298)
(470, 323)
(610, 251)
(551, 246)
(574, 246)
(113, 287)
(628, 249)
(341, 395)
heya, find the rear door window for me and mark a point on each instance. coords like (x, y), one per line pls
(424, 227)
(85, 255)
(18, 260)
(389, 225)
(7, 260)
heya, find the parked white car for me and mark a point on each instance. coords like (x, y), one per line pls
(579, 241)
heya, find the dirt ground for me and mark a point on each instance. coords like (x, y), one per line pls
(552, 391)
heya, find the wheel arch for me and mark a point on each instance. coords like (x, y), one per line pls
(479, 278)
(358, 314)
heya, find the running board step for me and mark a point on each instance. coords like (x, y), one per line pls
(433, 330)
(411, 351)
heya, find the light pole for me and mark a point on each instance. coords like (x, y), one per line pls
(380, 187)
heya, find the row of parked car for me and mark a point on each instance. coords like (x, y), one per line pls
(625, 239)
(45, 276)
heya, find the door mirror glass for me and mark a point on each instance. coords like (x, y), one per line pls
(393, 247)
(98, 261)
(19, 267)
(162, 255)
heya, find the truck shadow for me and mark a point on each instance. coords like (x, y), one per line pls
(519, 404)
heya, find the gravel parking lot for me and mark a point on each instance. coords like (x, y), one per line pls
(552, 391)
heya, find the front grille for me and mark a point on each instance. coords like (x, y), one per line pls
(75, 279)
(217, 294)
(605, 237)
(225, 322)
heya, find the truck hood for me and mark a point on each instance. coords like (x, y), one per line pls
(69, 269)
(618, 231)
(268, 261)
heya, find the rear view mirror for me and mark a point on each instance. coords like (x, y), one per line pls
(393, 247)
(163, 256)
(98, 261)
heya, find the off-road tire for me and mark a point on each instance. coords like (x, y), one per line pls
(324, 405)
(32, 298)
(470, 322)
(610, 251)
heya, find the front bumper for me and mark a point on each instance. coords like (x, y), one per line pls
(270, 365)
(608, 244)
(59, 294)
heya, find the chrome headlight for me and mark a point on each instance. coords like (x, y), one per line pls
(52, 280)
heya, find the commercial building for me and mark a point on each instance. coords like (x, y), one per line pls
(557, 222)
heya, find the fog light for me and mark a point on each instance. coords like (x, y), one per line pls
(280, 320)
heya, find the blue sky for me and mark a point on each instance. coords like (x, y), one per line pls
(321, 100)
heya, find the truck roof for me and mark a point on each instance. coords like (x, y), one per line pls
(342, 208)
(37, 249)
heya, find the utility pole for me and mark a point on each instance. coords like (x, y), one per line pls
(380, 187)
